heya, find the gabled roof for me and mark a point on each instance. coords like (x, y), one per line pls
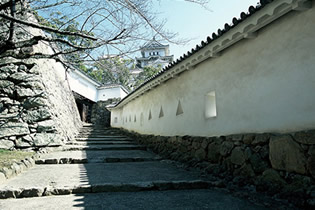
(246, 26)
(153, 44)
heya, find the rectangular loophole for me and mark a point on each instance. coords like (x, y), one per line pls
(210, 105)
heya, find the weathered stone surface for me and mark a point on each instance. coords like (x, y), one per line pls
(21, 77)
(46, 126)
(20, 143)
(305, 137)
(47, 139)
(246, 171)
(200, 154)
(311, 165)
(205, 143)
(27, 92)
(37, 115)
(16, 168)
(14, 128)
(5, 84)
(196, 145)
(6, 144)
(33, 192)
(261, 139)
(273, 177)
(32, 84)
(248, 138)
(7, 87)
(9, 68)
(238, 156)
(2, 177)
(214, 152)
(258, 164)
(7, 172)
(286, 154)
(237, 137)
(4, 75)
(35, 102)
(226, 148)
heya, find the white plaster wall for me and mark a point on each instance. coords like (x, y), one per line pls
(123, 94)
(108, 93)
(82, 86)
(265, 84)
(161, 52)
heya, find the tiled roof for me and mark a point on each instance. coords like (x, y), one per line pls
(153, 44)
(215, 35)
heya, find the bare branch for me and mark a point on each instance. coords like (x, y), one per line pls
(46, 28)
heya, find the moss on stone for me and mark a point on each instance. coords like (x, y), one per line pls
(8, 157)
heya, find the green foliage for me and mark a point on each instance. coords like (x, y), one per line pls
(148, 71)
(8, 157)
(113, 70)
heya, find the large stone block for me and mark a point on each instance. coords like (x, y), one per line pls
(9, 68)
(35, 102)
(37, 115)
(226, 148)
(271, 176)
(238, 156)
(47, 139)
(305, 137)
(46, 126)
(6, 144)
(261, 139)
(27, 92)
(311, 165)
(21, 77)
(6, 84)
(14, 129)
(257, 163)
(213, 152)
(21, 143)
(200, 154)
(286, 154)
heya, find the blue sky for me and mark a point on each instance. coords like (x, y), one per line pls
(196, 23)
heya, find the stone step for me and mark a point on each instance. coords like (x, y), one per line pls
(100, 131)
(102, 147)
(105, 187)
(159, 200)
(100, 142)
(103, 139)
(85, 160)
(98, 156)
(100, 177)
(100, 136)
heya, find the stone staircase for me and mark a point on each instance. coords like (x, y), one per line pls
(103, 169)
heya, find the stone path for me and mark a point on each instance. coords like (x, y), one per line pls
(102, 169)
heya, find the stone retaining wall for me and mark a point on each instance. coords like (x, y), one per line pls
(278, 164)
(100, 115)
(37, 107)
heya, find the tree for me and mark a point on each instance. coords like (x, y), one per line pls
(148, 71)
(112, 70)
(81, 29)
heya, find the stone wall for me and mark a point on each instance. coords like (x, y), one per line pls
(100, 115)
(279, 164)
(37, 107)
